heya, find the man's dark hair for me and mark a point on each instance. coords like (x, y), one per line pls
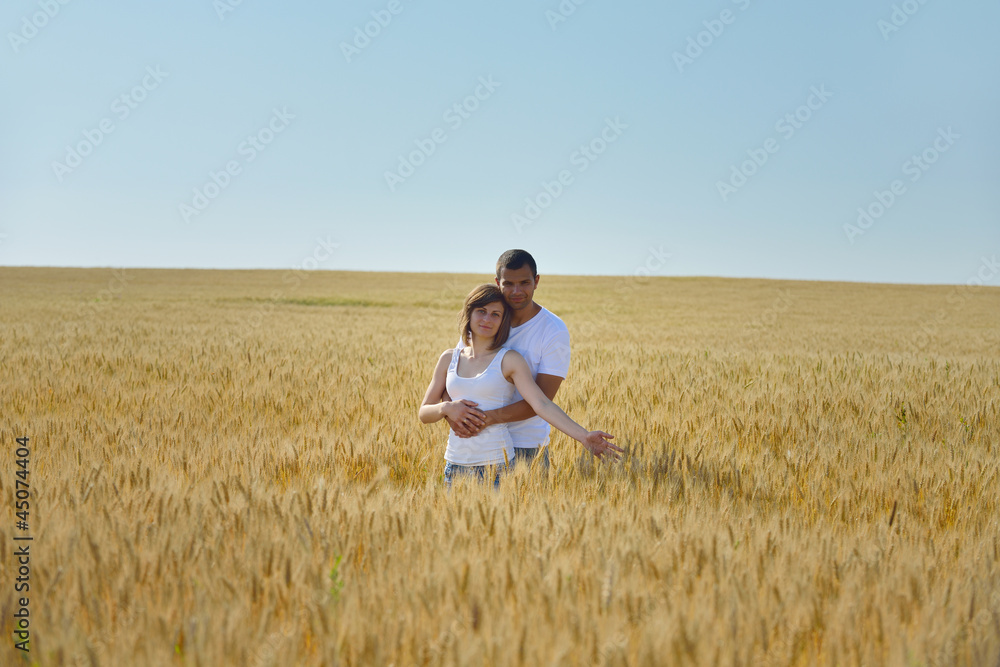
(515, 259)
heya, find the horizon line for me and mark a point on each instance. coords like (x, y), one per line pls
(467, 273)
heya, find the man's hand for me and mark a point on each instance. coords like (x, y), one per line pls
(597, 444)
(465, 418)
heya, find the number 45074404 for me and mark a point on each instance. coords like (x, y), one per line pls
(23, 456)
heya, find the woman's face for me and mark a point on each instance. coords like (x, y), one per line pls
(485, 320)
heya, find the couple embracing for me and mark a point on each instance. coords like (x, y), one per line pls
(496, 387)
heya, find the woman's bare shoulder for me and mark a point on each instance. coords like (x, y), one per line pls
(514, 357)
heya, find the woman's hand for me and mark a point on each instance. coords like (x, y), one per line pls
(597, 444)
(464, 417)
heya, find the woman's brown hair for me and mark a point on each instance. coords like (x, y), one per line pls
(484, 295)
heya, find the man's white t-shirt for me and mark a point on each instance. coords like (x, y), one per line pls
(543, 341)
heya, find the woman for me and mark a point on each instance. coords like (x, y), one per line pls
(487, 373)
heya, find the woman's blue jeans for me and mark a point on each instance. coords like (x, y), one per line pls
(452, 470)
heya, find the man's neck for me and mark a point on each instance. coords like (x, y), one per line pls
(530, 311)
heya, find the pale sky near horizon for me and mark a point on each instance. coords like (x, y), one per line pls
(820, 141)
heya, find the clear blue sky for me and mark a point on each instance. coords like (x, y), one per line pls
(331, 114)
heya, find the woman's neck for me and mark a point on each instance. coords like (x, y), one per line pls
(480, 345)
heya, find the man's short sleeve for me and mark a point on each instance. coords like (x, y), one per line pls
(555, 353)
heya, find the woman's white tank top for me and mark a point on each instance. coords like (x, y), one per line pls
(491, 390)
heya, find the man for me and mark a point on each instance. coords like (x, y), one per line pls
(543, 340)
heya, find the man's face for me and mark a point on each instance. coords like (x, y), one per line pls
(518, 286)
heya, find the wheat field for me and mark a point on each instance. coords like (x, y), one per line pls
(227, 469)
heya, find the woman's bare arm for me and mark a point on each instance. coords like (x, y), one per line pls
(432, 409)
(516, 370)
